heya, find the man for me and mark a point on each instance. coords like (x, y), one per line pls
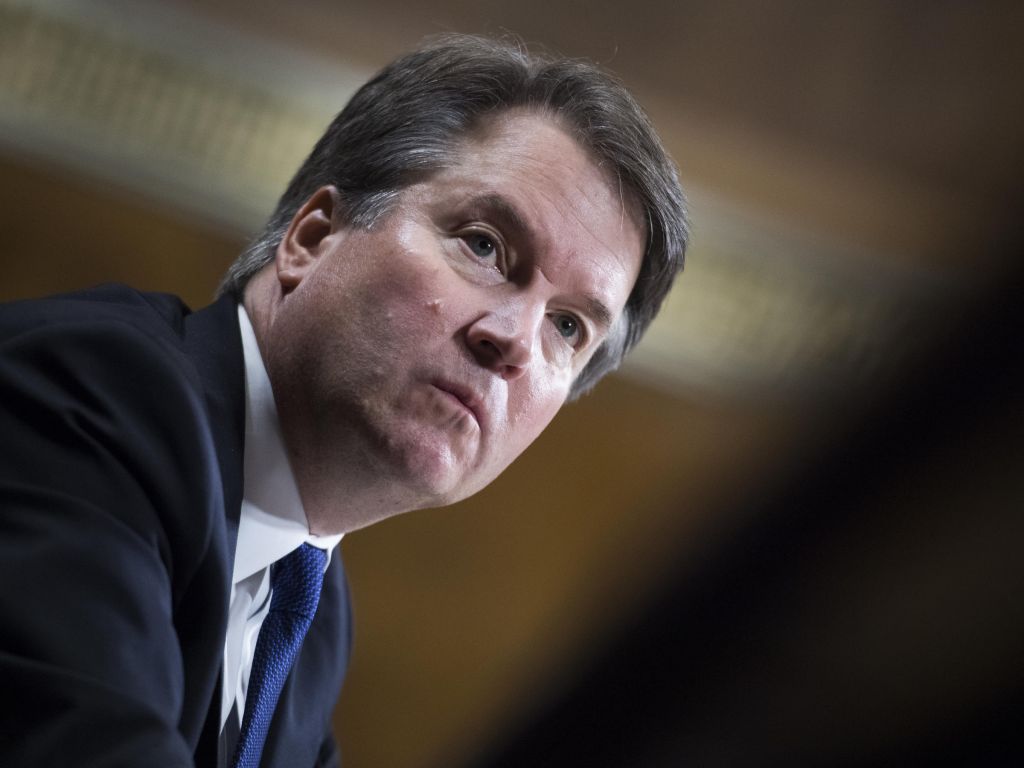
(478, 237)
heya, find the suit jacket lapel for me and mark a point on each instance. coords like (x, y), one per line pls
(213, 343)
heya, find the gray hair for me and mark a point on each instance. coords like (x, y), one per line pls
(407, 122)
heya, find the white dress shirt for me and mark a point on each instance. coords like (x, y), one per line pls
(272, 524)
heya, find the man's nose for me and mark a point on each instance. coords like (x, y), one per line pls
(504, 339)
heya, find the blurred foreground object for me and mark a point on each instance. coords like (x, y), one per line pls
(868, 613)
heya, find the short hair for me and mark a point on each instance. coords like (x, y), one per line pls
(407, 122)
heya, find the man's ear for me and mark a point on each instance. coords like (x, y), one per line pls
(303, 242)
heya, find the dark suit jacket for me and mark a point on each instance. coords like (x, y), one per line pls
(121, 442)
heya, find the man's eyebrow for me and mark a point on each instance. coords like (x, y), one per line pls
(509, 216)
(599, 312)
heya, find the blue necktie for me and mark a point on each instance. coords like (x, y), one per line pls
(296, 581)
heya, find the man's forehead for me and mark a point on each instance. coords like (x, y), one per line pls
(509, 132)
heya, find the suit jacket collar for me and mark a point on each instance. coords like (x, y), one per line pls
(213, 342)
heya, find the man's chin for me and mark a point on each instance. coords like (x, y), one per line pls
(432, 473)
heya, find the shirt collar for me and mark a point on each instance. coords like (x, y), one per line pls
(272, 521)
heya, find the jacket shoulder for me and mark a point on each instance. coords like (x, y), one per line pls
(155, 312)
(101, 382)
(109, 503)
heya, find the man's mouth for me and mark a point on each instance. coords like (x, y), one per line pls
(464, 396)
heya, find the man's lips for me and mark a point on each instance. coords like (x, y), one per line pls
(465, 396)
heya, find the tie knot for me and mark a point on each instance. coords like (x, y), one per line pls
(297, 580)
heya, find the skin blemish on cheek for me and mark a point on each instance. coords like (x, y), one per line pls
(435, 306)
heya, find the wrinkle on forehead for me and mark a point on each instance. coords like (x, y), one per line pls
(584, 207)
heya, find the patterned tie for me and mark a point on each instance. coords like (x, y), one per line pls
(296, 581)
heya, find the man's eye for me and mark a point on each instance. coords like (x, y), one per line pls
(482, 245)
(568, 328)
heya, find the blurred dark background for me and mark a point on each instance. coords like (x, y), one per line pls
(789, 531)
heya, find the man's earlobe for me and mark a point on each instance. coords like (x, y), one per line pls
(303, 242)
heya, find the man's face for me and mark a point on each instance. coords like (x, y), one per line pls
(415, 360)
